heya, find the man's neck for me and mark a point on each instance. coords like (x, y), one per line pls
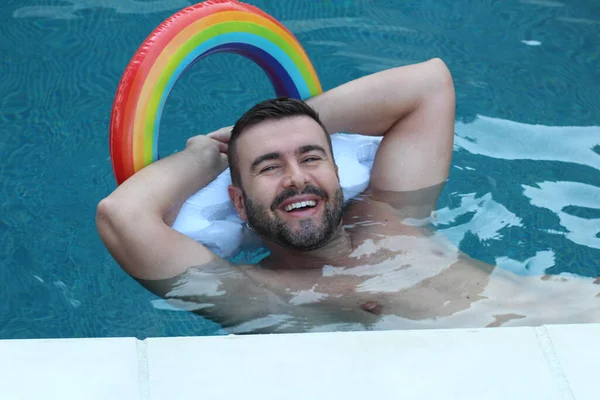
(334, 252)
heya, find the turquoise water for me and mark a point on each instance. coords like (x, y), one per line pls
(524, 189)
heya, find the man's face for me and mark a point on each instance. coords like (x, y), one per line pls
(290, 189)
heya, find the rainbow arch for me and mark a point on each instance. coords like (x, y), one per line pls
(193, 33)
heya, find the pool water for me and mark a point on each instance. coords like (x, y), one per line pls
(524, 188)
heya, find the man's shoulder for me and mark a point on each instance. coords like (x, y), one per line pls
(382, 214)
(378, 205)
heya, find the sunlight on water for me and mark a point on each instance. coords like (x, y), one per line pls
(555, 196)
(509, 140)
(488, 220)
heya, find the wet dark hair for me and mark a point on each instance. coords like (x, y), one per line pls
(277, 108)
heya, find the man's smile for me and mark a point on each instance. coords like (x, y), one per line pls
(301, 206)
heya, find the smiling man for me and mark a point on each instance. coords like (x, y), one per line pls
(331, 266)
(285, 182)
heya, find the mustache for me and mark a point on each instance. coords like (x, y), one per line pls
(288, 193)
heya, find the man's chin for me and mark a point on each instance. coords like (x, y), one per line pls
(304, 248)
(303, 241)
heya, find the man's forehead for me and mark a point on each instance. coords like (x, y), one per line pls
(281, 135)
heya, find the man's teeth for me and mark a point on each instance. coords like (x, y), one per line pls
(301, 204)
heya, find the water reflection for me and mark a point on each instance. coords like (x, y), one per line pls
(120, 6)
(389, 281)
(509, 140)
(545, 3)
(557, 196)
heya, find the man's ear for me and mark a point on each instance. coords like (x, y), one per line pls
(235, 194)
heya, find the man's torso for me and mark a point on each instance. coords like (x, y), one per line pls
(400, 276)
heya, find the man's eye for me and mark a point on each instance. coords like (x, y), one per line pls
(311, 159)
(269, 168)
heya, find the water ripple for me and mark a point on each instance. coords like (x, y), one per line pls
(120, 6)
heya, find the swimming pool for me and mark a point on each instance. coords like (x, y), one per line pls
(524, 189)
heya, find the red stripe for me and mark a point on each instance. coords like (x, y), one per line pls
(130, 86)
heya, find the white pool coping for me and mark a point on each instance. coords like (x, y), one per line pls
(547, 362)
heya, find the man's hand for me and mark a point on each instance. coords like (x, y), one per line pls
(222, 137)
(214, 146)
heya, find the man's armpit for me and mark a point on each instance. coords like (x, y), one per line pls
(416, 204)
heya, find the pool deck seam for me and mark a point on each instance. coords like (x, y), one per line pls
(143, 369)
(553, 362)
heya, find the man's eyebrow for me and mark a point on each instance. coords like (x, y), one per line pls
(263, 158)
(311, 147)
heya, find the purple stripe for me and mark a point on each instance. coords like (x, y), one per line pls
(279, 77)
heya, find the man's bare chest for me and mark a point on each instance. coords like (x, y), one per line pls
(384, 278)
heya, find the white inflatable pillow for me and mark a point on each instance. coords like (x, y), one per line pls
(209, 218)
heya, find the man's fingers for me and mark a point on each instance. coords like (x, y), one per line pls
(222, 135)
(223, 147)
(203, 141)
(219, 137)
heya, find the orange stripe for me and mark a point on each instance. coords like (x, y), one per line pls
(143, 60)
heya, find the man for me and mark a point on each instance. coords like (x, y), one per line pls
(331, 266)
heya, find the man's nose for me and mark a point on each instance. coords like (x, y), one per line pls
(295, 177)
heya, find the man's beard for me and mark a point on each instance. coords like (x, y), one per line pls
(311, 234)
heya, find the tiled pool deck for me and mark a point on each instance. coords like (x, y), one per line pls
(548, 362)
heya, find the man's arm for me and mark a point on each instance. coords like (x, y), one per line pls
(413, 108)
(134, 221)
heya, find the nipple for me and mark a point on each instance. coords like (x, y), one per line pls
(372, 307)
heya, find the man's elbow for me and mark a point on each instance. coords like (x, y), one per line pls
(112, 221)
(106, 213)
(441, 76)
(437, 87)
